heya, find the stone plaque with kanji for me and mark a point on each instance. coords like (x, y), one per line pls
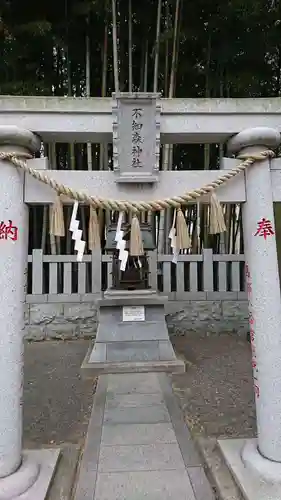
(136, 137)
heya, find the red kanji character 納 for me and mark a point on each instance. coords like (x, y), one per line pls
(8, 231)
(264, 228)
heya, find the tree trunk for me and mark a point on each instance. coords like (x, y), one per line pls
(145, 67)
(165, 218)
(104, 147)
(166, 74)
(174, 53)
(88, 92)
(130, 49)
(157, 45)
(115, 47)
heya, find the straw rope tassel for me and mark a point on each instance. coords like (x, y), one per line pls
(183, 239)
(136, 244)
(173, 238)
(94, 230)
(198, 225)
(101, 221)
(217, 222)
(57, 218)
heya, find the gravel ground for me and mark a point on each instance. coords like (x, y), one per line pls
(216, 392)
(57, 402)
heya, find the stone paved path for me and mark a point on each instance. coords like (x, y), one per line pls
(138, 446)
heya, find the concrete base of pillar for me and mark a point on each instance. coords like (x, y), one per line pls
(257, 478)
(33, 478)
(140, 345)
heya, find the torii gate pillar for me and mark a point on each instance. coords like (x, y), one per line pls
(24, 475)
(262, 456)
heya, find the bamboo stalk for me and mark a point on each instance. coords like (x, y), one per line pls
(130, 48)
(115, 47)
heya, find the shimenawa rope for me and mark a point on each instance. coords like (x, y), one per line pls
(136, 206)
(179, 230)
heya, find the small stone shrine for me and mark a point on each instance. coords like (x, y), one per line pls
(136, 274)
(132, 334)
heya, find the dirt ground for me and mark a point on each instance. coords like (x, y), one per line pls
(57, 402)
(215, 392)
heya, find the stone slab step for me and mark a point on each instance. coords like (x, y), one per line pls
(90, 370)
(132, 331)
(132, 351)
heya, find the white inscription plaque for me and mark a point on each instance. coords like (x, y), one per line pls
(133, 313)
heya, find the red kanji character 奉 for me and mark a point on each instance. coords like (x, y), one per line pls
(264, 228)
(8, 231)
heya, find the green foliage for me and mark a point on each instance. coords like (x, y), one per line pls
(34, 29)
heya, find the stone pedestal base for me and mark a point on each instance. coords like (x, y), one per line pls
(131, 346)
(258, 478)
(32, 480)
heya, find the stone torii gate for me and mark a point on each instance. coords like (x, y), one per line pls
(26, 475)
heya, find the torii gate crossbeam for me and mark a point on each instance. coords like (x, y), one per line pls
(68, 119)
(207, 122)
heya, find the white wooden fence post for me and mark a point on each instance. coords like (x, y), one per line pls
(208, 272)
(96, 272)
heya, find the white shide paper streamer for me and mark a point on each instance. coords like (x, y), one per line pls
(121, 244)
(173, 238)
(79, 245)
